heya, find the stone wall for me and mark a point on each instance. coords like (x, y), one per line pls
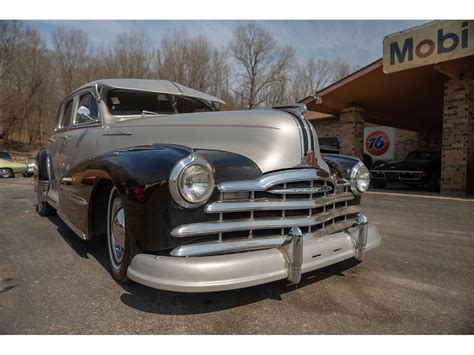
(406, 141)
(458, 137)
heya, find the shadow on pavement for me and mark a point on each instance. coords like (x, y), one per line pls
(151, 300)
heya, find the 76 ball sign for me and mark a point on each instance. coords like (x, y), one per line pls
(378, 142)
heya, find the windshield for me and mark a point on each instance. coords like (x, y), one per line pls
(417, 155)
(123, 102)
(5, 155)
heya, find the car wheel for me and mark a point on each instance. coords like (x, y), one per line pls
(43, 208)
(434, 183)
(379, 184)
(6, 173)
(118, 242)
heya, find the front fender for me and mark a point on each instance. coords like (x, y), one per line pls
(141, 176)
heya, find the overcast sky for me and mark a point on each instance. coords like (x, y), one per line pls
(357, 42)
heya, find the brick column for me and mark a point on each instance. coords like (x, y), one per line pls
(352, 131)
(458, 136)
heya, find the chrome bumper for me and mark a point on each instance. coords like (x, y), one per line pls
(302, 254)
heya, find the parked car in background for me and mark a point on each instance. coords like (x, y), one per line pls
(30, 162)
(420, 168)
(9, 167)
(192, 199)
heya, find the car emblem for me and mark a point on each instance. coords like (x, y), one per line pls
(310, 158)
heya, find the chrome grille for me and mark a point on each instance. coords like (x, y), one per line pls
(270, 206)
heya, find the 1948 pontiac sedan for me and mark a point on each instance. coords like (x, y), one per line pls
(193, 199)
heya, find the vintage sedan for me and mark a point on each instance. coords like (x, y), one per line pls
(194, 199)
(9, 167)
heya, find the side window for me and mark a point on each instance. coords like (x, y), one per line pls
(67, 113)
(87, 111)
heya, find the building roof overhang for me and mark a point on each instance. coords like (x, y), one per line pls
(410, 99)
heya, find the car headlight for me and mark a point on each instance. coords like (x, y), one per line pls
(360, 178)
(192, 181)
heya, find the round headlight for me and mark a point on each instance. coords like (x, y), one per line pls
(360, 178)
(192, 181)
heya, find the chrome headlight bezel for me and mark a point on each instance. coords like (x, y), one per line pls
(354, 178)
(176, 178)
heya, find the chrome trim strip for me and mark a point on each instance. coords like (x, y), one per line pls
(228, 246)
(269, 180)
(270, 205)
(203, 228)
(300, 190)
(300, 131)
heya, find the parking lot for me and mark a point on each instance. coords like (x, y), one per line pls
(421, 280)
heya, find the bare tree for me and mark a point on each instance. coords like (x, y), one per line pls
(70, 53)
(185, 60)
(310, 77)
(26, 85)
(131, 54)
(340, 69)
(259, 61)
(219, 79)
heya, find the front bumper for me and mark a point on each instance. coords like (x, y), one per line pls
(231, 271)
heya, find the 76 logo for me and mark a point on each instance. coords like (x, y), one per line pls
(377, 143)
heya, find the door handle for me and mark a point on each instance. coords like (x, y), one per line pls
(52, 140)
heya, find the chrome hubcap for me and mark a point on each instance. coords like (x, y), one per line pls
(116, 231)
(4, 172)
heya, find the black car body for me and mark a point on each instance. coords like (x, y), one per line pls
(420, 168)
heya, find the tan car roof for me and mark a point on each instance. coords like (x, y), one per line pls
(161, 86)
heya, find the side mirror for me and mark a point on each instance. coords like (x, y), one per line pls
(85, 113)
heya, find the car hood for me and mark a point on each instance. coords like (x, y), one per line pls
(271, 138)
(408, 165)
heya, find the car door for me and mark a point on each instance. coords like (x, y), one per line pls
(56, 145)
(77, 143)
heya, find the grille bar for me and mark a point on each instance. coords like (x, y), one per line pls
(216, 227)
(272, 179)
(300, 190)
(238, 245)
(272, 205)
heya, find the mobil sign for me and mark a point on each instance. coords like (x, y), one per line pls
(432, 43)
(379, 142)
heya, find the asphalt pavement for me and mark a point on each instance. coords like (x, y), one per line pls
(419, 281)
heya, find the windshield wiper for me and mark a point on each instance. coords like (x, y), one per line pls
(145, 112)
